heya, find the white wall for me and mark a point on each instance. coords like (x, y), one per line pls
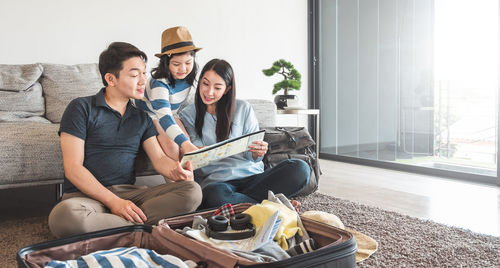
(249, 34)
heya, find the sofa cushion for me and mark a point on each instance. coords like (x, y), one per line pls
(63, 83)
(29, 100)
(20, 92)
(19, 77)
(30, 154)
(22, 117)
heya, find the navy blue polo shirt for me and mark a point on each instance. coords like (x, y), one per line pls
(112, 142)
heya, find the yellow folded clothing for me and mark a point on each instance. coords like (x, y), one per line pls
(288, 228)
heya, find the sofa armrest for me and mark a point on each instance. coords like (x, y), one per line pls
(265, 110)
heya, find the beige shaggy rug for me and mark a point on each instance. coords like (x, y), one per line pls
(403, 241)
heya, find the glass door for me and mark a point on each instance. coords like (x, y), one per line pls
(410, 82)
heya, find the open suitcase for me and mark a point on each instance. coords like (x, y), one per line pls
(336, 247)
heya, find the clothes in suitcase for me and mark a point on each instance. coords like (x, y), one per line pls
(335, 247)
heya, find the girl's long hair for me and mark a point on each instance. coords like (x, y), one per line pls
(224, 107)
(162, 71)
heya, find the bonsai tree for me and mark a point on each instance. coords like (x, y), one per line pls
(291, 77)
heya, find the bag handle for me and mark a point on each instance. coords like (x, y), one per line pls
(292, 142)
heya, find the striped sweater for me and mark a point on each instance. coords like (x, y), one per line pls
(161, 101)
(123, 257)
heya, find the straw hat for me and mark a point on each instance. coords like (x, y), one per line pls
(176, 40)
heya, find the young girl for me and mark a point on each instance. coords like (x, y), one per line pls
(169, 87)
(215, 116)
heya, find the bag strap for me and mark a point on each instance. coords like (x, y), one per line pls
(292, 142)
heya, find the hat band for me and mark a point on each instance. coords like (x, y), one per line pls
(176, 45)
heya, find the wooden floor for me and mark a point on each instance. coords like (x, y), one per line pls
(457, 203)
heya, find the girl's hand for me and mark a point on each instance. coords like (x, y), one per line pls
(258, 149)
(187, 147)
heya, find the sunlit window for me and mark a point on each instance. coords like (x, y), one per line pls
(411, 82)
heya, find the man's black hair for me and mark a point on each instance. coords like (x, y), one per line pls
(111, 60)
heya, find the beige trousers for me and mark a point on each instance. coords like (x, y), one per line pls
(77, 213)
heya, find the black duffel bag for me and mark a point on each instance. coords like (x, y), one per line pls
(292, 142)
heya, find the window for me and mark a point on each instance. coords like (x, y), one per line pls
(412, 84)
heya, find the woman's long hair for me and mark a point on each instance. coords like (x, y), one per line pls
(163, 71)
(224, 107)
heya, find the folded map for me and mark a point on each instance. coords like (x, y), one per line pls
(206, 155)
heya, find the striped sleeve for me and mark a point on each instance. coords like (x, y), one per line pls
(188, 116)
(162, 101)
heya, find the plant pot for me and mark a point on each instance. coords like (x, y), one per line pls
(283, 101)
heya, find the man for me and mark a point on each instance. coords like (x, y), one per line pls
(100, 137)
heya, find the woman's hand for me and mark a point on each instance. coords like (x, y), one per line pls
(258, 149)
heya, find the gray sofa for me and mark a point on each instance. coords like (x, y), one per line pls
(32, 100)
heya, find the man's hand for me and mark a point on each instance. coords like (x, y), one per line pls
(164, 165)
(182, 174)
(127, 210)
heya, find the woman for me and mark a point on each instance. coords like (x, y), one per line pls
(215, 116)
(169, 87)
